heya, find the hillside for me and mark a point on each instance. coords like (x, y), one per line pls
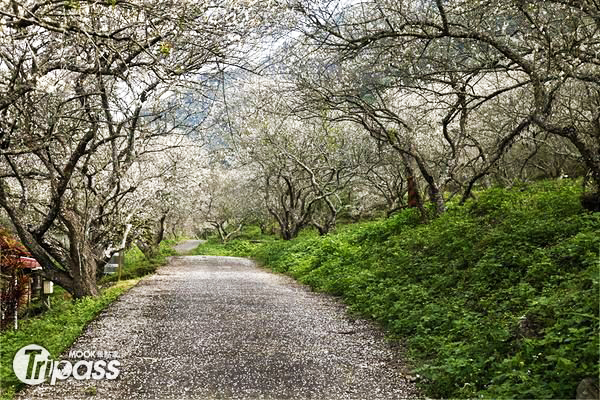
(497, 298)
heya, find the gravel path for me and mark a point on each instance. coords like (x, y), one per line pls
(222, 328)
(187, 246)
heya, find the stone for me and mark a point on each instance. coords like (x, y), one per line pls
(588, 389)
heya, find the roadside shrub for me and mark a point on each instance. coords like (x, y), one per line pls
(236, 247)
(497, 298)
(136, 264)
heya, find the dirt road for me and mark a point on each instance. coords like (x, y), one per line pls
(222, 328)
(187, 246)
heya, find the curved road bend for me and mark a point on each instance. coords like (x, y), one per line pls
(222, 328)
(186, 246)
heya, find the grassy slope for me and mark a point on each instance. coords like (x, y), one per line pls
(136, 265)
(59, 327)
(497, 298)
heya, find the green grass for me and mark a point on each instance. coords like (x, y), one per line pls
(498, 298)
(236, 247)
(244, 245)
(136, 264)
(57, 328)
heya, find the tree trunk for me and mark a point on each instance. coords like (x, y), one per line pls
(78, 277)
(81, 259)
(84, 284)
(150, 243)
(161, 229)
(327, 226)
(437, 199)
(321, 228)
(289, 232)
(434, 192)
(148, 250)
(413, 190)
(263, 228)
(286, 233)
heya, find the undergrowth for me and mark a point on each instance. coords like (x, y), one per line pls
(243, 245)
(137, 265)
(236, 247)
